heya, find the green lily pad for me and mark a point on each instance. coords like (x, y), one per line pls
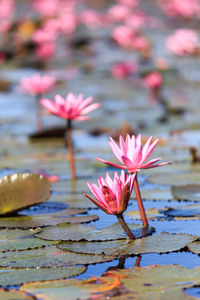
(152, 213)
(20, 240)
(184, 211)
(19, 191)
(75, 200)
(189, 192)
(158, 243)
(20, 276)
(48, 257)
(14, 295)
(194, 247)
(155, 282)
(157, 194)
(175, 179)
(43, 220)
(76, 232)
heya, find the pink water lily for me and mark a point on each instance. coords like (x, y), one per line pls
(37, 84)
(70, 108)
(133, 155)
(112, 195)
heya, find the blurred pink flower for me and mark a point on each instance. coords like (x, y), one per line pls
(67, 22)
(122, 70)
(6, 9)
(118, 13)
(182, 8)
(45, 50)
(140, 43)
(37, 84)
(136, 20)
(112, 195)
(132, 155)
(124, 36)
(44, 35)
(153, 80)
(183, 42)
(90, 18)
(71, 108)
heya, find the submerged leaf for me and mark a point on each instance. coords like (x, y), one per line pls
(19, 191)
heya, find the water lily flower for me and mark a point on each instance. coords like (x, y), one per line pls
(70, 108)
(133, 156)
(112, 195)
(37, 84)
(183, 42)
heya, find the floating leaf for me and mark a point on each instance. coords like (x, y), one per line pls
(158, 243)
(19, 240)
(157, 194)
(175, 179)
(17, 277)
(43, 220)
(152, 213)
(183, 211)
(75, 200)
(155, 282)
(194, 247)
(48, 257)
(14, 295)
(19, 191)
(189, 192)
(76, 232)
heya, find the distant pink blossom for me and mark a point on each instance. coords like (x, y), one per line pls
(153, 80)
(183, 42)
(45, 50)
(44, 35)
(124, 36)
(67, 22)
(140, 43)
(112, 195)
(6, 9)
(70, 108)
(122, 70)
(118, 13)
(37, 84)
(90, 18)
(182, 8)
(132, 154)
(136, 20)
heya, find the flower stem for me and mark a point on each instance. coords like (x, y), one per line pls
(38, 113)
(70, 148)
(140, 203)
(125, 227)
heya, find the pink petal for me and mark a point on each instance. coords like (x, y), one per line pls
(111, 164)
(116, 150)
(90, 108)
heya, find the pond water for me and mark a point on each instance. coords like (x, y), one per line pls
(43, 236)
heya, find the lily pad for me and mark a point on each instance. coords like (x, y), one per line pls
(157, 194)
(152, 213)
(48, 257)
(19, 191)
(14, 295)
(184, 211)
(158, 243)
(75, 200)
(20, 240)
(76, 232)
(194, 247)
(20, 276)
(43, 220)
(189, 192)
(154, 282)
(175, 179)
